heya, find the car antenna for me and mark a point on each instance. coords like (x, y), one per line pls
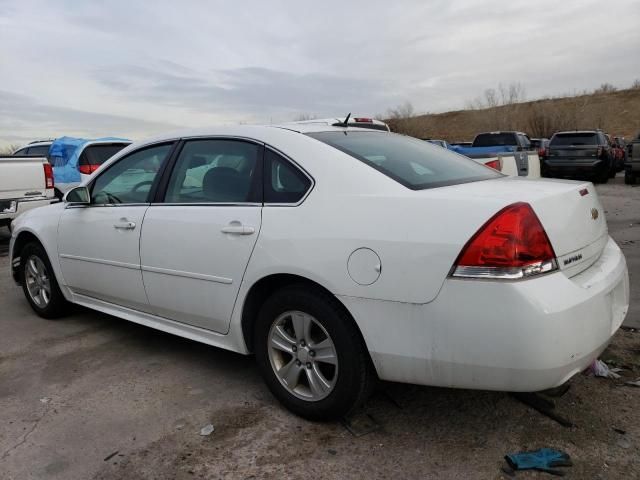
(347, 119)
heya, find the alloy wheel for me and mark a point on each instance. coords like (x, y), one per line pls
(303, 356)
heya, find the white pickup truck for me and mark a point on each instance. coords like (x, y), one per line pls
(25, 183)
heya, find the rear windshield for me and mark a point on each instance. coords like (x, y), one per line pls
(493, 139)
(98, 154)
(414, 163)
(571, 139)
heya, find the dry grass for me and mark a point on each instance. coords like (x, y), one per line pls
(618, 113)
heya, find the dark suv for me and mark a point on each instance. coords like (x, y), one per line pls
(579, 154)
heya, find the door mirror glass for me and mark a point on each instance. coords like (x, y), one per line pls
(78, 196)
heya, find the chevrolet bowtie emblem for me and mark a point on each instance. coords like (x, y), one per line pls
(594, 213)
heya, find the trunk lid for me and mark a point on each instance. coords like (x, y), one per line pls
(570, 212)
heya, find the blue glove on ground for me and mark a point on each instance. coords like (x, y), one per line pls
(544, 459)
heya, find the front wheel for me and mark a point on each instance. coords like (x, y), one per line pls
(39, 283)
(311, 355)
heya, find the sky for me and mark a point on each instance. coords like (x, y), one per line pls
(137, 68)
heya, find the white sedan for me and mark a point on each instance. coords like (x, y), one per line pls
(338, 256)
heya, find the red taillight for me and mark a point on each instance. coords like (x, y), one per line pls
(363, 120)
(542, 152)
(48, 175)
(88, 169)
(512, 244)
(495, 164)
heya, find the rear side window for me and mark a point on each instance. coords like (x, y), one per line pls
(283, 182)
(414, 163)
(493, 139)
(99, 153)
(215, 171)
(574, 139)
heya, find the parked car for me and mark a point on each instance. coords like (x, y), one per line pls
(510, 152)
(39, 148)
(75, 159)
(632, 163)
(336, 255)
(440, 143)
(26, 182)
(352, 121)
(579, 154)
(541, 145)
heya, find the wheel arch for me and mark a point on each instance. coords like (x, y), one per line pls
(262, 289)
(22, 239)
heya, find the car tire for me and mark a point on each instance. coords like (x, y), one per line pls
(629, 178)
(36, 275)
(602, 177)
(344, 386)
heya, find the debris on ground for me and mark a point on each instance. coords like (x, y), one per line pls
(360, 424)
(542, 405)
(601, 369)
(635, 383)
(623, 442)
(207, 430)
(45, 400)
(110, 456)
(544, 460)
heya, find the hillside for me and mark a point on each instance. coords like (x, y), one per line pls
(618, 113)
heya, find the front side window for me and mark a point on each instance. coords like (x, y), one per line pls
(215, 171)
(414, 163)
(129, 180)
(283, 182)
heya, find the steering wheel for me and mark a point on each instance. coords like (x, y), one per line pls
(141, 184)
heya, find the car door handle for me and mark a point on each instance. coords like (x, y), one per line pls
(236, 228)
(124, 225)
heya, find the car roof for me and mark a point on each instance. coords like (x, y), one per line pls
(573, 132)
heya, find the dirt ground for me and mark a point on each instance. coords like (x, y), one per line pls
(92, 396)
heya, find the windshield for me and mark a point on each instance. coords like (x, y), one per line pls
(572, 139)
(414, 163)
(494, 139)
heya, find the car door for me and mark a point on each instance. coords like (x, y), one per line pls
(99, 243)
(197, 239)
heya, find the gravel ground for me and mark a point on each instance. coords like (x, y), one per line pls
(92, 396)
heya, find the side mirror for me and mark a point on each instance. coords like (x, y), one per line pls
(78, 196)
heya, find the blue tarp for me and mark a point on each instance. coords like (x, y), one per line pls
(64, 154)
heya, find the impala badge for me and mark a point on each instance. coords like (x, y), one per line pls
(594, 213)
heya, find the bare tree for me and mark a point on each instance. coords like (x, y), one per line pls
(304, 116)
(402, 111)
(605, 88)
(636, 84)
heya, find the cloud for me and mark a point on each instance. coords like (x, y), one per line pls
(22, 119)
(129, 67)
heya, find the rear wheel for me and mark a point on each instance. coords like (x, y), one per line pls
(39, 283)
(311, 355)
(602, 177)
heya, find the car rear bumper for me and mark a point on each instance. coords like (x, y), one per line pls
(512, 336)
(11, 209)
(569, 168)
